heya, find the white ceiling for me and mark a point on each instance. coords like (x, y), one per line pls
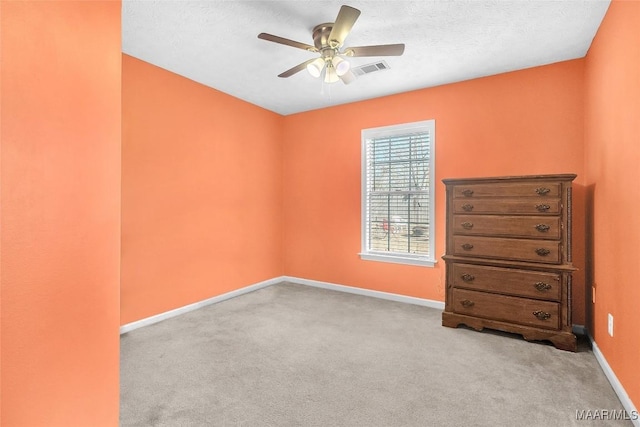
(215, 43)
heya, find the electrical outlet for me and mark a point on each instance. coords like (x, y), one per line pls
(593, 295)
(610, 324)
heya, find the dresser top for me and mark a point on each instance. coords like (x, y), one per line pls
(551, 177)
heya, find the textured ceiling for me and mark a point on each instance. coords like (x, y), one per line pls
(215, 43)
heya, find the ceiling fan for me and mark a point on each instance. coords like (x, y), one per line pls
(328, 39)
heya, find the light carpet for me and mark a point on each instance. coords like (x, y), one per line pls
(293, 355)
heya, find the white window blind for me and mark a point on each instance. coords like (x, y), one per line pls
(397, 193)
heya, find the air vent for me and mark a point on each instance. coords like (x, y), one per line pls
(370, 68)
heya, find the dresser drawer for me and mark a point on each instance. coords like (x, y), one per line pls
(542, 314)
(523, 283)
(543, 251)
(513, 189)
(507, 206)
(538, 227)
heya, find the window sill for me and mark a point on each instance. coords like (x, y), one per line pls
(399, 259)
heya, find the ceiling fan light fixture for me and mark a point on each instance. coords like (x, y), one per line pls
(340, 65)
(330, 75)
(315, 67)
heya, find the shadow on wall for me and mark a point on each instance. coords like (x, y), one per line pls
(589, 245)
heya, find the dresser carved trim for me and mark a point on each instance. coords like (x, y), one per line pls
(508, 256)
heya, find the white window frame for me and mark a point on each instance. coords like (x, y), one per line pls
(398, 257)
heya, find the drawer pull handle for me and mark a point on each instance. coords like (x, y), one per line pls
(541, 315)
(468, 277)
(541, 286)
(467, 207)
(542, 227)
(467, 246)
(542, 190)
(467, 303)
(543, 208)
(543, 251)
(467, 225)
(466, 192)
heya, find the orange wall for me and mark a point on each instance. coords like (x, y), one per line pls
(612, 126)
(524, 122)
(201, 191)
(60, 212)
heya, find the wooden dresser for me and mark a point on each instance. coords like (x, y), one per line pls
(508, 256)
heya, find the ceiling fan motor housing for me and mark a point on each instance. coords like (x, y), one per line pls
(321, 35)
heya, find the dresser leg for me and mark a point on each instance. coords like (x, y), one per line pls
(566, 342)
(452, 320)
(561, 340)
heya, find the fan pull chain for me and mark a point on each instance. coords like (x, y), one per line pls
(325, 85)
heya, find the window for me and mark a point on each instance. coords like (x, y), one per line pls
(397, 193)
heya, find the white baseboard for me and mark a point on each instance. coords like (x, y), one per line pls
(187, 308)
(366, 292)
(332, 286)
(617, 386)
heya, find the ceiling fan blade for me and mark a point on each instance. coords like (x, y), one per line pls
(297, 68)
(344, 22)
(287, 42)
(377, 50)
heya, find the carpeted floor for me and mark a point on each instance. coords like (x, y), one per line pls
(293, 355)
